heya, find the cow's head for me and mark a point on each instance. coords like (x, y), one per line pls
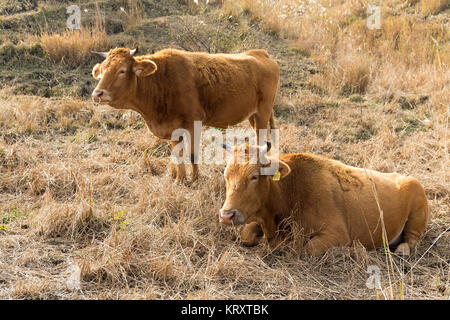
(247, 189)
(118, 75)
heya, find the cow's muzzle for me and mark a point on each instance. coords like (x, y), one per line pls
(232, 216)
(100, 96)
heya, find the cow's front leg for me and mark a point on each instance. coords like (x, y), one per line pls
(194, 168)
(251, 234)
(180, 167)
(181, 174)
(269, 229)
(194, 144)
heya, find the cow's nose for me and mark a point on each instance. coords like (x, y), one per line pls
(97, 93)
(227, 215)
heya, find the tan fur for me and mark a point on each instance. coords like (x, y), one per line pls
(251, 234)
(334, 203)
(220, 90)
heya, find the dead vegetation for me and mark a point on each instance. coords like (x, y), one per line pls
(398, 52)
(88, 208)
(74, 47)
(98, 196)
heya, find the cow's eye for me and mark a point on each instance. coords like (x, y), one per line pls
(122, 71)
(254, 177)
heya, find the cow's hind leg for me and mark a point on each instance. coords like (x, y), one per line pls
(256, 123)
(252, 122)
(320, 243)
(418, 216)
(261, 121)
(263, 118)
(272, 121)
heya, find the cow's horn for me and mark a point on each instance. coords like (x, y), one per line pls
(226, 146)
(101, 54)
(265, 148)
(134, 51)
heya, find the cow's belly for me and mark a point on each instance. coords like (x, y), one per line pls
(225, 120)
(363, 213)
(232, 111)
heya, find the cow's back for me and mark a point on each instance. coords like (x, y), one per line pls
(230, 86)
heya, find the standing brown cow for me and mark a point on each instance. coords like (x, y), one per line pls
(171, 89)
(334, 203)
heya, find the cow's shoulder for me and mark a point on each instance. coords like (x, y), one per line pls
(305, 159)
(326, 171)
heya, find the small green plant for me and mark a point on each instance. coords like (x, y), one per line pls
(91, 138)
(356, 98)
(119, 219)
(12, 215)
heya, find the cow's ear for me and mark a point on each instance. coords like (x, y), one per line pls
(283, 171)
(96, 72)
(144, 68)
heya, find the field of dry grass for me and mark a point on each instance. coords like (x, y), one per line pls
(85, 192)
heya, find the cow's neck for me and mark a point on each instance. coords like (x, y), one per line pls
(143, 100)
(277, 203)
(147, 102)
(287, 195)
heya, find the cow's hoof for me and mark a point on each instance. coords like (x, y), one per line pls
(403, 249)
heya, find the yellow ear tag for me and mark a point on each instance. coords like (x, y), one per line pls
(277, 176)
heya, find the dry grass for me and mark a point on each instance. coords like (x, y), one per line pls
(132, 15)
(73, 48)
(334, 34)
(97, 195)
(85, 191)
(433, 6)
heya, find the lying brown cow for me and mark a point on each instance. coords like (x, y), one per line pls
(171, 89)
(334, 203)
